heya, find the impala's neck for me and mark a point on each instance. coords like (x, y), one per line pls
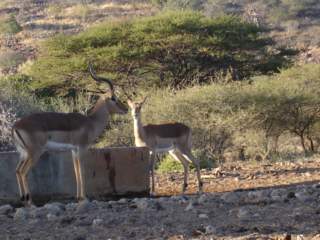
(139, 132)
(100, 115)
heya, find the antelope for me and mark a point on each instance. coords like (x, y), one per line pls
(38, 132)
(172, 138)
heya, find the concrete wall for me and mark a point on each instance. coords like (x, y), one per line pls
(108, 171)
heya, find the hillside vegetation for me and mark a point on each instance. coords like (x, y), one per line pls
(226, 76)
(173, 49)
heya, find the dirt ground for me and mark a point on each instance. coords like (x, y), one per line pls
(240, 201)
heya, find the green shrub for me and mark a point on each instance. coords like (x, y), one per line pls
(9, 25)
(168, 164)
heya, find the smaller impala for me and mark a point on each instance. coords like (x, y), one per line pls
(39, 132)
(174, 138)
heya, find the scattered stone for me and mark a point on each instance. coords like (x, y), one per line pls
(67, 220)
(300, 237)
(83, 206)
(38, 212)
(243, 213)
(180, 199)
(257, 196)
(202, 199)
(303, 195)
(307, 174)
(6, 209)
(190, 206)
(51, 217)
(123, 201)
(20, 214)
(54, 208)
(278, 195)
(217, 172)
(142, 203)
(230, 197)
(71, 206)
(203, 216)
(210, 230)
(97, 222)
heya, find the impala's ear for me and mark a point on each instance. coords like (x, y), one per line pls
(130, 103)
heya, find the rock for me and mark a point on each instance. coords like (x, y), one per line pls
(142, 203)
(316, 186)
(123, 201)
(51, 217)
(217, 172)
(54, 208)
(39, 212)
(257, 196)
(97, 222)
(190, 206)
(278, 195)
(20, 214)
(83, 206)
(300, 237)
(6, 209)
(303, 195)
(243, 213)
(230, 197)
(180, 199)
(71, 206)
(210, 230)
(203, 216)
(202, 199)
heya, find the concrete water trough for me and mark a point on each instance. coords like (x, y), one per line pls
(109, 172)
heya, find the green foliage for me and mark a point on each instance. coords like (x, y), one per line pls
(174, 49)
(168, 164)
(9, 25)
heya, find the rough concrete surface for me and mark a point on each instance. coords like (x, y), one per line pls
(108, 171)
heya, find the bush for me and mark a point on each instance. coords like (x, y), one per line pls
(168, 164)
(147, 52)
(9, 25)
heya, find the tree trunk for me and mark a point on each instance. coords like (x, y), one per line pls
(303, 143)
(311, 144)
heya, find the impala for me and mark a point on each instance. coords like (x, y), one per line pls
(39, 132)
(174, 138)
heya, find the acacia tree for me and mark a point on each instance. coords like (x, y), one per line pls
(174, 49)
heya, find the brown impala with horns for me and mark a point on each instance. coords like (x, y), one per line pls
(38, 132)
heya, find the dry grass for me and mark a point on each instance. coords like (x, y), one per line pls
(243, 175)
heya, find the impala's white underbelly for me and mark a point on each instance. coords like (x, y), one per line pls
(51, 145)
(164, 148)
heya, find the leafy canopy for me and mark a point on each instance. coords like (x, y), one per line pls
(172, 49)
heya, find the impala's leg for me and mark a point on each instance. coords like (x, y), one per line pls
(25, 168)
(76, 167)
(189, 156)
(152, 165)
(178, 156)
(81, 174)
(23, 157)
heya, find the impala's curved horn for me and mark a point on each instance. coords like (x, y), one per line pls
(100, 79)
